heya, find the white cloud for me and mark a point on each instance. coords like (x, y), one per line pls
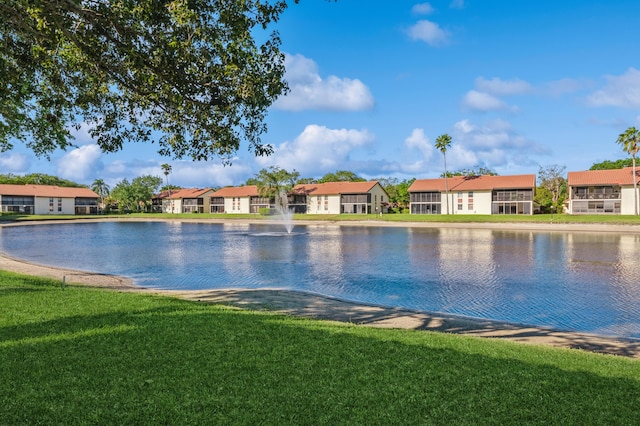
(422, 9)
(619, 91)
(310, 91)
(81, 135)
(429, 32)
(499, 87)
(485, 97)
(190, 174)
(493, 143)
(457, 4)
(418, 140)
(318, 150)
(561, 87)
(80, 163)
(480, 101)
(14, 163)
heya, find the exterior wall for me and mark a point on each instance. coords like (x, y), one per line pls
(318, 204)
(174, 205)
(459, 203)
(378, 196)
(42, 205)
(626, 206)
(236, 205)
(481, 202)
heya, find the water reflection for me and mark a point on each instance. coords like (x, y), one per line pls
(575, 281)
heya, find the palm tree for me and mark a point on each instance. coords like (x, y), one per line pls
(102, 189)
(442, 143)
(166, 169)
(630, 141)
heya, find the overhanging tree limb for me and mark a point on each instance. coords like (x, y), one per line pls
(188, 75)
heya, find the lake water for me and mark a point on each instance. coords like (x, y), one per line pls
(572, 281)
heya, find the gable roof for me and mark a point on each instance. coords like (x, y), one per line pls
(237, 191)
(335, 188)
(474, 183)
(46, 191)
(602, 177)
(187, 193)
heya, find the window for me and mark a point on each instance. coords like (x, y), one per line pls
(50, 205)
(59, 204)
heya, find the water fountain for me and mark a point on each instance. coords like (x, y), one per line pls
(285, 214)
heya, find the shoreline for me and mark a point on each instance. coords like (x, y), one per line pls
(316, 306)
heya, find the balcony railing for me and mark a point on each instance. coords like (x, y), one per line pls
(614, 196)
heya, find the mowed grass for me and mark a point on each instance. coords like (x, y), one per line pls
(79, 355)
(404, 218)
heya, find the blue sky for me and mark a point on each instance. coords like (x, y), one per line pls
(517, 84)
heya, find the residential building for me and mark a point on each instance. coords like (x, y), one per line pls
(601, 191)
(343, 197)
(47, 199)
(238, 199)
(474, 195)
(192, 200)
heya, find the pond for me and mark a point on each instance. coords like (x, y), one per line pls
(571, 281)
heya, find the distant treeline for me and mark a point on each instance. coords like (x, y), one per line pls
(38, 179)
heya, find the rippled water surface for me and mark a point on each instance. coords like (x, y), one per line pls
(573, 281)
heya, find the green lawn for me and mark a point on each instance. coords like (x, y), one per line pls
(79, 355)
(539, 218)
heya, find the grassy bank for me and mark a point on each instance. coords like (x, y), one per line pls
(90, 356)
(408, 218)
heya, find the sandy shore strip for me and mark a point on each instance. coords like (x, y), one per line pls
(327, 308)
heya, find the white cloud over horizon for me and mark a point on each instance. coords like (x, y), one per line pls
(14, 162)
(310, 91)
(493, 143)
(418, 140)
(317, 150)
(79, 163)
(621, 91)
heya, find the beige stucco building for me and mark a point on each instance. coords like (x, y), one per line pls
(474, 195)
(47, 199)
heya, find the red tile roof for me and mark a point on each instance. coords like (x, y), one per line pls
(335, 188)
(602, 177)
(187, 193)
(46, 191)
(474, 183)
(237, 191)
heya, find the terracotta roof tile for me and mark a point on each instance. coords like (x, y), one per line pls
(188, 193)
(237, 191)
(602, 177)
(474, 183)
(335, 188)
(46, 191)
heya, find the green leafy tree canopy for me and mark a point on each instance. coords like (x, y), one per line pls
(136, 196)
(476, 171)
(187, 74)
(38, 179)
(551, 179)
(611, 165)
(341, 176)
(273, 181)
